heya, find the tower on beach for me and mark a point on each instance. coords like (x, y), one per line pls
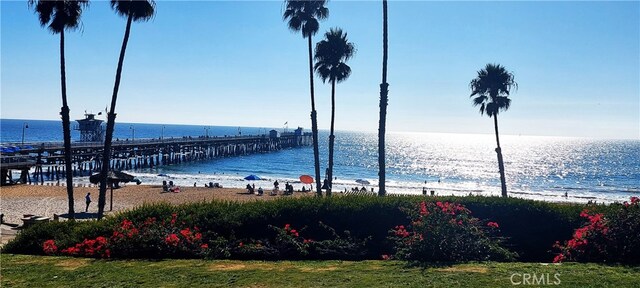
(90, 128)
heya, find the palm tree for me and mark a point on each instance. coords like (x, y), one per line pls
(491, 90)
(133, 10)
(303, 15)
(58, 16)
(384, 100)
(331, 55)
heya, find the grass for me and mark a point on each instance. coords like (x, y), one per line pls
(42, 271)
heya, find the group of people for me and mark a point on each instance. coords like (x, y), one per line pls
(170, 187)
(288, 190)
(356, 189)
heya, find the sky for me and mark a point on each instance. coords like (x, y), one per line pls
(235, 63)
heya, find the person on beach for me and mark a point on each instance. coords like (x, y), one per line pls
(88, 200)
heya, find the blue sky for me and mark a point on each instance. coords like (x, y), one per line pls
(235, 63)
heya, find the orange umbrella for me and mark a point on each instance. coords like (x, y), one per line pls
(306, 179)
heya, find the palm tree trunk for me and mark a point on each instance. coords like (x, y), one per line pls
(384, 100)
(66, 129)
(314, 124)
(111, 119)
(332, 137)
(500, 161)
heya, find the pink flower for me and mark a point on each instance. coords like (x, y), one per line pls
(493, 225)
(386, 257)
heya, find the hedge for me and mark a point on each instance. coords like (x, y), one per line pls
(530, 228)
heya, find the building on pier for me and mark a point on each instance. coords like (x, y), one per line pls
(90, 128)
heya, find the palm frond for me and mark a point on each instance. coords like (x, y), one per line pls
(58, 15)
(310, 27)
(479, 100)
(139, 10)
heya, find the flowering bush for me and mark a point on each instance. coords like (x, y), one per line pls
(446, 232)
(147, 239)
(611, 238)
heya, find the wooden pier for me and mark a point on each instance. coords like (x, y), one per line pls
(48, 158)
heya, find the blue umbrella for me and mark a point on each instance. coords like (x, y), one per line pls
(252, 177)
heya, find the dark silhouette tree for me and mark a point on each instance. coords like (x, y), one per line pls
(59, 16)
(331, 55)
(133, 10)
(491, 90)
(303, 15)
(384, 101)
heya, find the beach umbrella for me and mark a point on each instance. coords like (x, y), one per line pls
(113, 177)
(306, 179)
(362, 181)
(252, 177)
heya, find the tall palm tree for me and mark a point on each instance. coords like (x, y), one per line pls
(384, 100)
(133, 10)
(58, 16)
(491, 90)
(331, 55)
(303, 15)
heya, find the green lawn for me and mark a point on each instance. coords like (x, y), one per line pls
(39, 271)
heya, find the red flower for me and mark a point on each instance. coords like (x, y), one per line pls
(584, 213)
(174, 216)
(287, 227)
(49, 247)
(101, 240)
(172, 240)
(635, 200)
(423, 209)
(241, 244)
(559, 258)
(493, 225)
(204, 246)
(70, 251)
(386, 257)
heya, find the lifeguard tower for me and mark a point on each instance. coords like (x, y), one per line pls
(90, 128)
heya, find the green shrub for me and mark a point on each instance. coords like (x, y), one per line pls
(529, 227)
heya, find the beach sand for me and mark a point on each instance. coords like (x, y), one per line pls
(45, 200)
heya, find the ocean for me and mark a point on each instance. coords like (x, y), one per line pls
(543, 168)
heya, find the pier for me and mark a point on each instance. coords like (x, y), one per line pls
(48, 157)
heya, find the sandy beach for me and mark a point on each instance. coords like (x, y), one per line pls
(45, 200)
